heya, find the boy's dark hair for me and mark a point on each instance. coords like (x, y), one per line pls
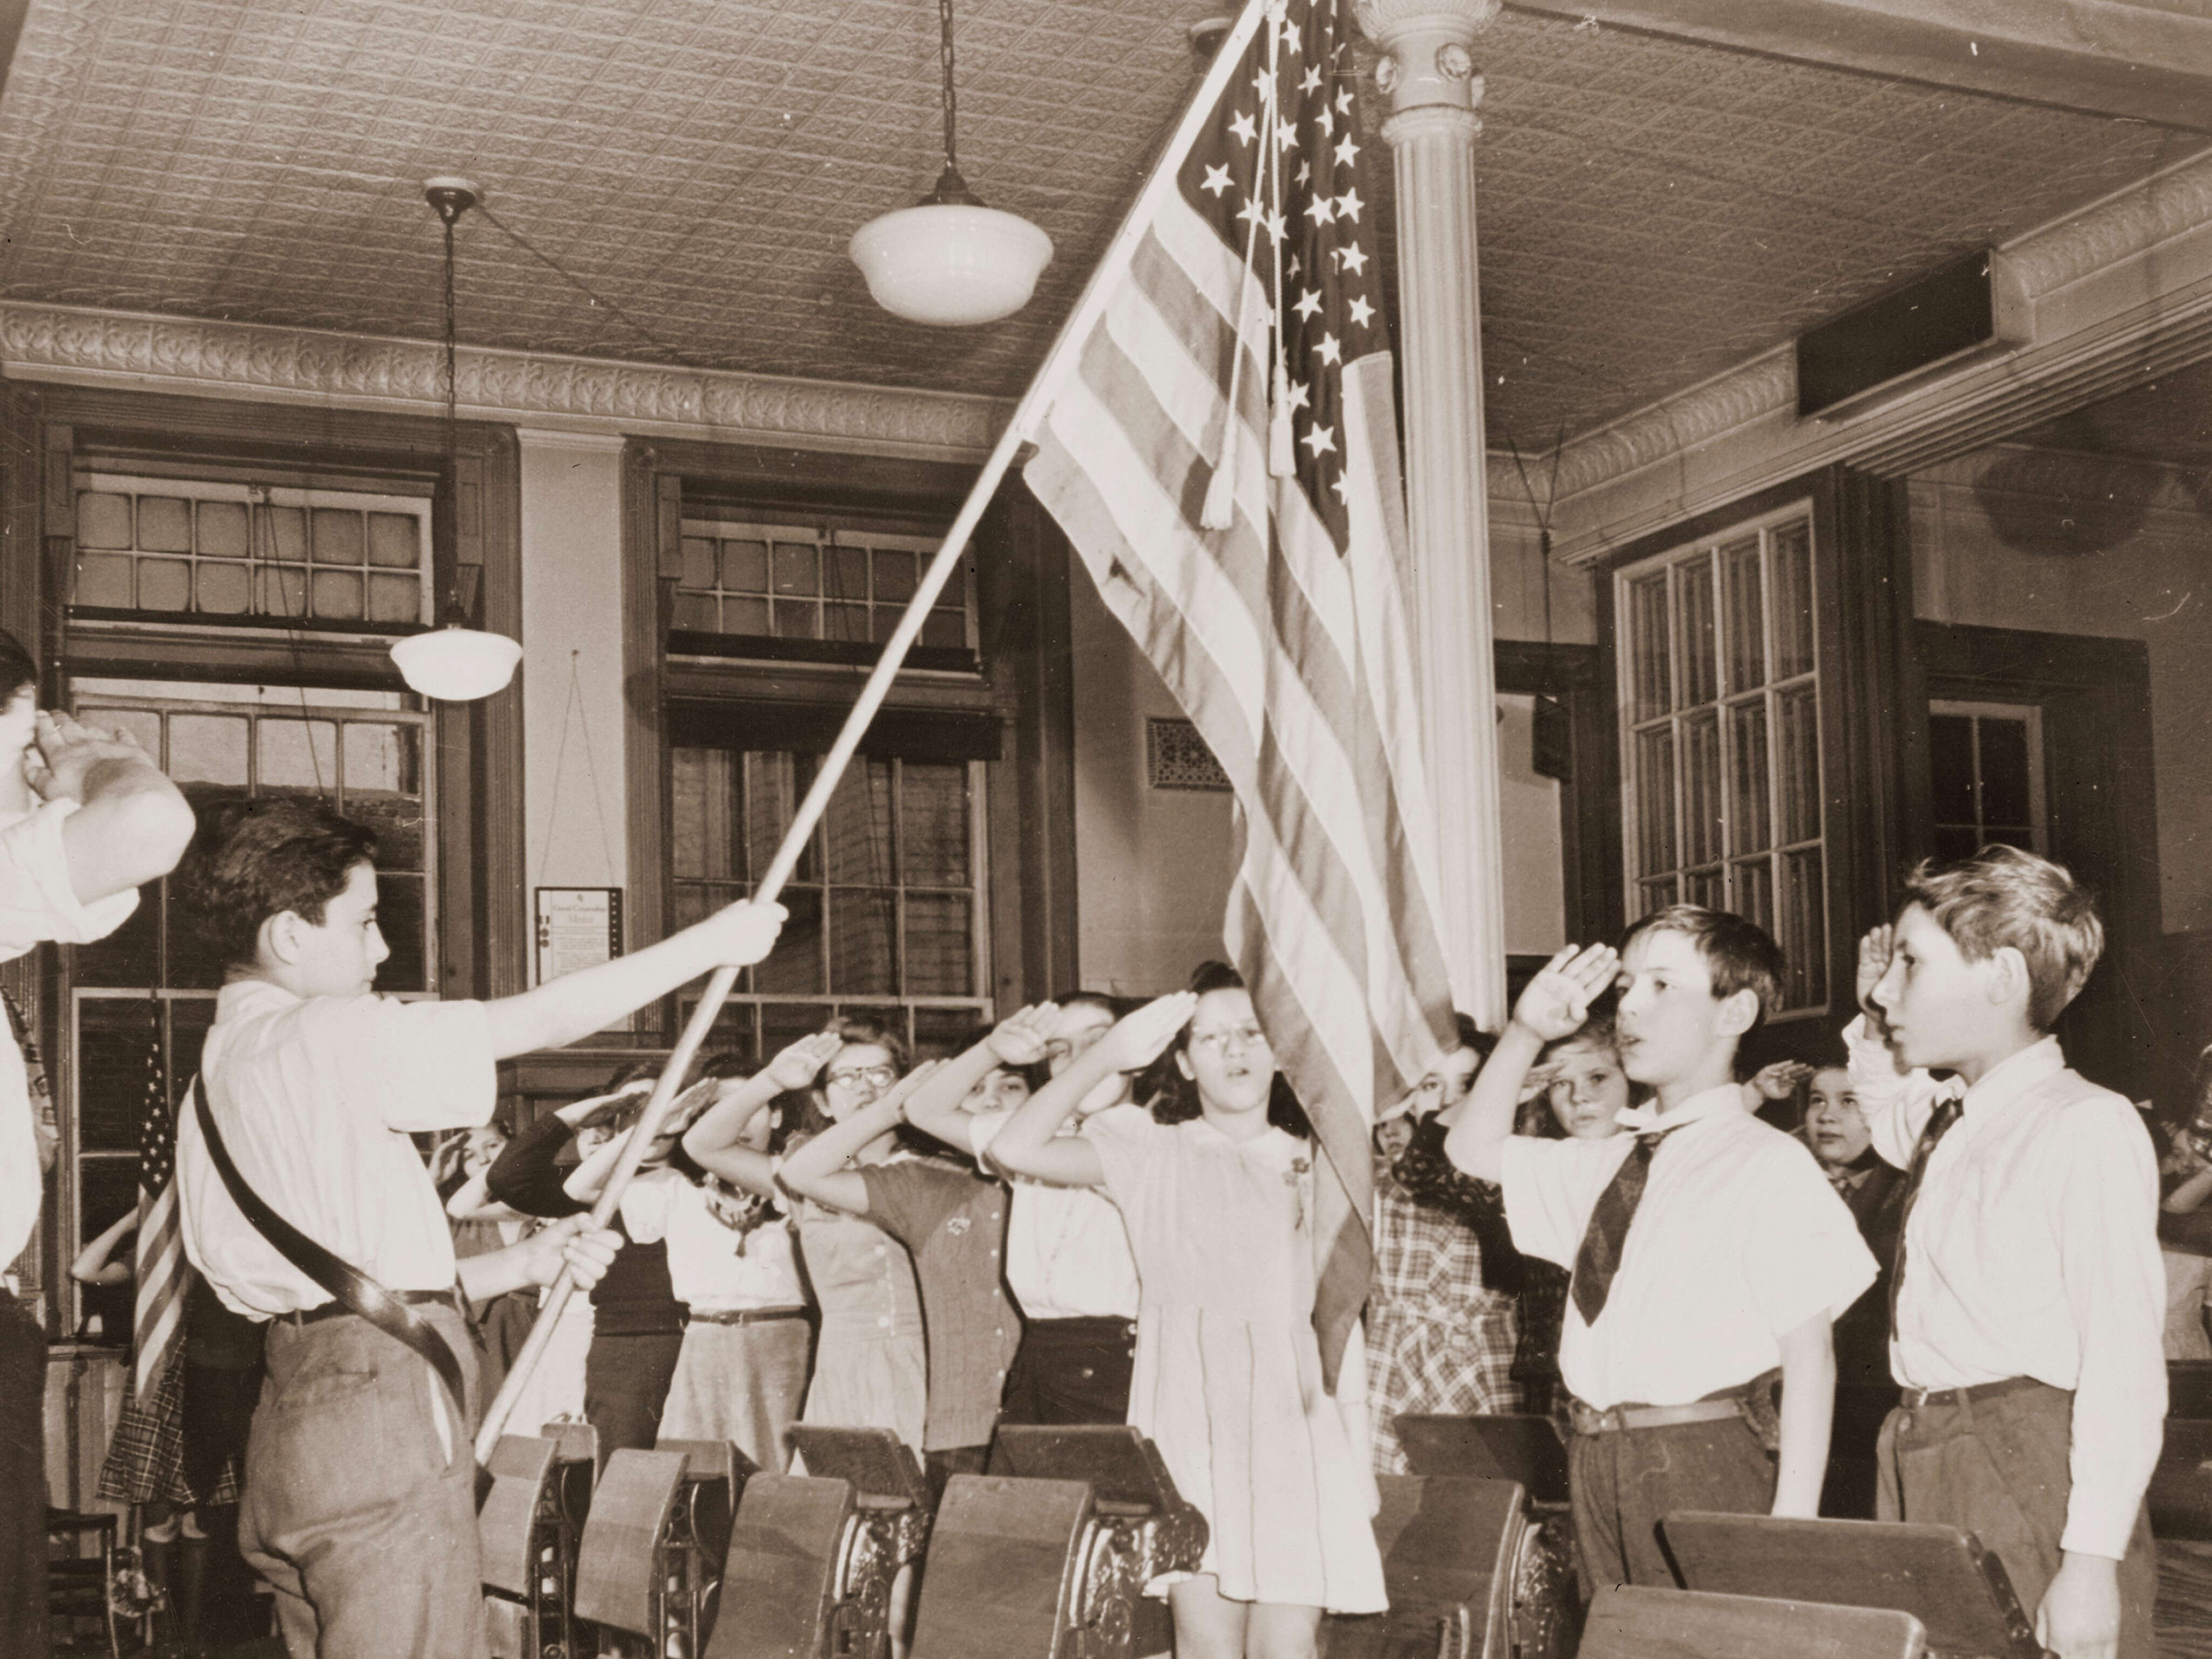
(2008, 896)
(1177, 1099)
(17, 670)
(853, 1029)
(1470, 1036)
(1739, 954)
(252, 859)
(1087, 1000)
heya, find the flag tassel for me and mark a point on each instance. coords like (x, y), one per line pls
(1282, 461)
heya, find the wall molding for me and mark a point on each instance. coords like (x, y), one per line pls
(153, 353)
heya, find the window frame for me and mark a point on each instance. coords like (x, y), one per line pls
(2029, 714)
(1709, 541)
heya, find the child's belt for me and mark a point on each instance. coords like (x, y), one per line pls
(1754, 1401)
(357, 1292)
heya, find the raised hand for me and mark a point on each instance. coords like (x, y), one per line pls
(1874, 952)
(1020, 1038)
(802, 1062)
(1556, 1001)
(745, 932)
(1780, 1080)
(63, 750)
(1138, 1039)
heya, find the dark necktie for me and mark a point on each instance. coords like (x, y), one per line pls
(1599, 1258)
(1939, 1125)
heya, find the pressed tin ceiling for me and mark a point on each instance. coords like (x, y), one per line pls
(1652, 210)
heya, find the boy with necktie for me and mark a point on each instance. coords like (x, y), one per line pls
(2028, 1298)
(1708, 1250)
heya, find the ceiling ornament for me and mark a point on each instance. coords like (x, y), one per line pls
(183, 355)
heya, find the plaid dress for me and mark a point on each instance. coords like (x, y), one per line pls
(146, 1456)
(1440, 1323)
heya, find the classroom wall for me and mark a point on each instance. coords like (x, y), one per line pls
(1153, 866)
(2012, 539)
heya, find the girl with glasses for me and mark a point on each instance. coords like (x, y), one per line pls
(1215, 1184)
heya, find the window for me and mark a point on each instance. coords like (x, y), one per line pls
(1985, 769)
(149, 987)
(886, 911)
(791, 582)
(1720, 706)
(207, 549)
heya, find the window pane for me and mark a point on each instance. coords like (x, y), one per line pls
(695, 613)
(284, 534)
(105, 579)
(848, 623)
(208, 748)
(1701, 789)
(1798, 729)
(1746, 609)
(1706, 887)
(1793, 600)
(795, 967)
(1654, 799)
(797, 568)
(940, 1033)
(337, 595)
(1754, 892)
(1956, 841)
(400, 918)
(395, 599)
(190, 1018)
(863, 942)
(1803, 934)
(222, 590)
(116, 1038)
(383, 788)
(164, 585)
(895, 576)
(941, 951)
(165, 523)
(393, 541)
(222, 530)
(845, 572)
(337, 536)
(705, 811)
(1751, 821)
(2004, 771)
(1951, 768)
(1648, 647)
(698, 564)
(782, 1023)
(1693, 594)
(798, 619)
(745, 616)
(299, 756)
(745, 567)
(283, 592)
(773, 784)
(933, 824)
(857, 828)
(129, 956)
(102, 519)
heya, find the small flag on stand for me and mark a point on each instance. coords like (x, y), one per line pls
(164, 1275)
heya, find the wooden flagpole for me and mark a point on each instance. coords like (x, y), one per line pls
(1019, 428)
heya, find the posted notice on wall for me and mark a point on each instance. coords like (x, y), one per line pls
(577, 927)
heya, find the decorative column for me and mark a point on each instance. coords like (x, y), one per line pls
(1429, 75)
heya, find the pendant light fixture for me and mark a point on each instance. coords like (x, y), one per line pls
(950, 262)
(454, 663)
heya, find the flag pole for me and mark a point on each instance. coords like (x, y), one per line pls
(1018, 429)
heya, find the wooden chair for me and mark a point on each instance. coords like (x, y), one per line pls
(1629, 1621)
(1941, 1575)
(79, 1584)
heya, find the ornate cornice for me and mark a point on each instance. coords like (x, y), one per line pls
(534, 389)
(2133, 221)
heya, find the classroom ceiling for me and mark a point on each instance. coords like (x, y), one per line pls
(1652, 210)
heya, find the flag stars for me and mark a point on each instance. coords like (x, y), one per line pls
(1362, 313)
(1344, 101)
(1306, 173)
(1348, 205)
(1343, 491)
(1251, 213)
(1244, 127)
(1296, 395)
(1350, 257)
(1312, 82)
(1330, 351)
(1320, 440)
(1309, 304)
(1263, 83)
(1323, 120)
(1286, 136)
(1345, 150)
(1275, 227)
(1319, 210)
(1216, 181)
(1289, 34)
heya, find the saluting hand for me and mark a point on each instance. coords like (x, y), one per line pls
(1138, 1039)
(802, 1062)
(1874, 952)
(1556, 1001)
(1779, 1081)
(1020, 1038)
(63, 750)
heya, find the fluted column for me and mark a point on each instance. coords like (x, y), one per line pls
(1429, 75)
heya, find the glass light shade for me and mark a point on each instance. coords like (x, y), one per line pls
(457, 664)
(951, 265)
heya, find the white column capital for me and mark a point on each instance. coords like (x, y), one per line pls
(1428, 61)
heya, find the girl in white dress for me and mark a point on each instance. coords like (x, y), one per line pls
(1215, 1181)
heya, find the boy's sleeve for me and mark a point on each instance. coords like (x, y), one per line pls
(1803, 1256)
(36, 900)
(1895, 1103)
(2116, 1290)
(524, 1177)
(415, 1065)
(1551, 1187)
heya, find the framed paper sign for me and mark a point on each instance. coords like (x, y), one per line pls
(577, 927)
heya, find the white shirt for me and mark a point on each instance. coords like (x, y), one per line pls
(711, 1268)
(2032, 1250)
(36, 903)
(316, 1100)
(1067, 1248)
(1739, 1240)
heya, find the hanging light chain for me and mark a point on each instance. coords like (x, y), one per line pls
(945, 54)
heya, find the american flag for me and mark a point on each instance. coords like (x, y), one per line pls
(164, 1275)
(1283, 632)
